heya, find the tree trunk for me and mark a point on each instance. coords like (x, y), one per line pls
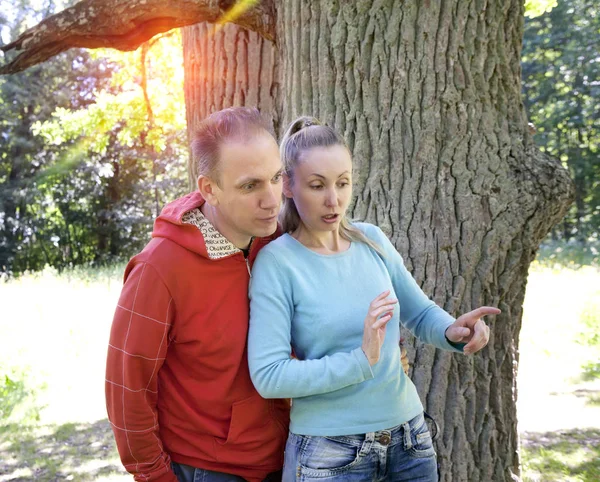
(428, 97)
(226, 66)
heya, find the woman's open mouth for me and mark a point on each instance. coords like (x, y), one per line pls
(330, 218)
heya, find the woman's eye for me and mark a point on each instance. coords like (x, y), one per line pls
(317, 186)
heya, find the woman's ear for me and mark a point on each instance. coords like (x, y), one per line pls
(287, 186)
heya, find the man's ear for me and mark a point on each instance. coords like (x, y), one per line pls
(209, 190)
(287, 186)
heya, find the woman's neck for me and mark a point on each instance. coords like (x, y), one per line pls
(323, 242)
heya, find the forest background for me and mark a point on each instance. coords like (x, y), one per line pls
(94, 143)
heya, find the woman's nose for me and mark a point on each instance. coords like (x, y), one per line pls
(331, 198)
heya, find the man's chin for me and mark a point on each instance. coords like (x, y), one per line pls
(267, 230)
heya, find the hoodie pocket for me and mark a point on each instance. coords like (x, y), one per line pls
(247, 415)
(255, 437)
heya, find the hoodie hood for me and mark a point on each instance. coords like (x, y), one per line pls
(182, 222)
(170, 224)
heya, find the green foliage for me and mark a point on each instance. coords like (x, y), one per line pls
(535, 8)
(16, 396)
(561, 69)
(92, 145)
(25, 236)
(569, 254)
(145, 100)
(12, 392)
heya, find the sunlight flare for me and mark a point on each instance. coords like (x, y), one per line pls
(234, 13)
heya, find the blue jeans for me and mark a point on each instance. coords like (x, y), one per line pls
(185, 473)
(402, 453)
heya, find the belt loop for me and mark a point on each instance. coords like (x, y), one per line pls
(367, 444)
(435, 425)
(407, 439)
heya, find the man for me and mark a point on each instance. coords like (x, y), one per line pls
(178, 391)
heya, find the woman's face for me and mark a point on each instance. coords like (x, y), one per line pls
(322, 187)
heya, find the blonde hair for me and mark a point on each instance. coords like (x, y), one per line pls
(303, 134)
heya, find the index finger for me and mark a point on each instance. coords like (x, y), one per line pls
(483, 311)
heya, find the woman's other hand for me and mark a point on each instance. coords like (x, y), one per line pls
(404, 357)
(380, 312)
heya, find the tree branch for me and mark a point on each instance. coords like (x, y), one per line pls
(126, 24)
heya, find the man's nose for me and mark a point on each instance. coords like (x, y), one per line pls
(272, 197)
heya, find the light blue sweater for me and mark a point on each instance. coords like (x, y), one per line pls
(316, 305)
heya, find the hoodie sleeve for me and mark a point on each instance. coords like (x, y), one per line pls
(274, 373)
(424, 319)
(137, 348)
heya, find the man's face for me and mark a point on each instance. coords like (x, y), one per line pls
(248, 196)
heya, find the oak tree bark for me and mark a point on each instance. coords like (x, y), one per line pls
(429, 101)
(227, 66)
(427, 95)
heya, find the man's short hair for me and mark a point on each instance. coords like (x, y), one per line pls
(231, 124)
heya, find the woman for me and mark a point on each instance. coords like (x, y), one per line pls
(335, 292)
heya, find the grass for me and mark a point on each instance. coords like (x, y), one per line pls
(572, 455)
(590, 336)
(558, 409)
(54, 333)
(71, 451)
(571, 254)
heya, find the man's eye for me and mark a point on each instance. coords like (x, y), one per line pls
(278, 177)
(248, 187)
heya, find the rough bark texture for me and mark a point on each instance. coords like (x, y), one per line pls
(126, 24)
(428, 96)
(226, 66)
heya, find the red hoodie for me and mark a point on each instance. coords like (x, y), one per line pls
(177, 381)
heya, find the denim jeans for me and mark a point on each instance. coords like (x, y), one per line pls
(185, 473)
(402, 453)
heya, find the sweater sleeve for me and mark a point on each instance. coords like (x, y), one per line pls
(423, 318)
(274, 373)
(137, 349)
